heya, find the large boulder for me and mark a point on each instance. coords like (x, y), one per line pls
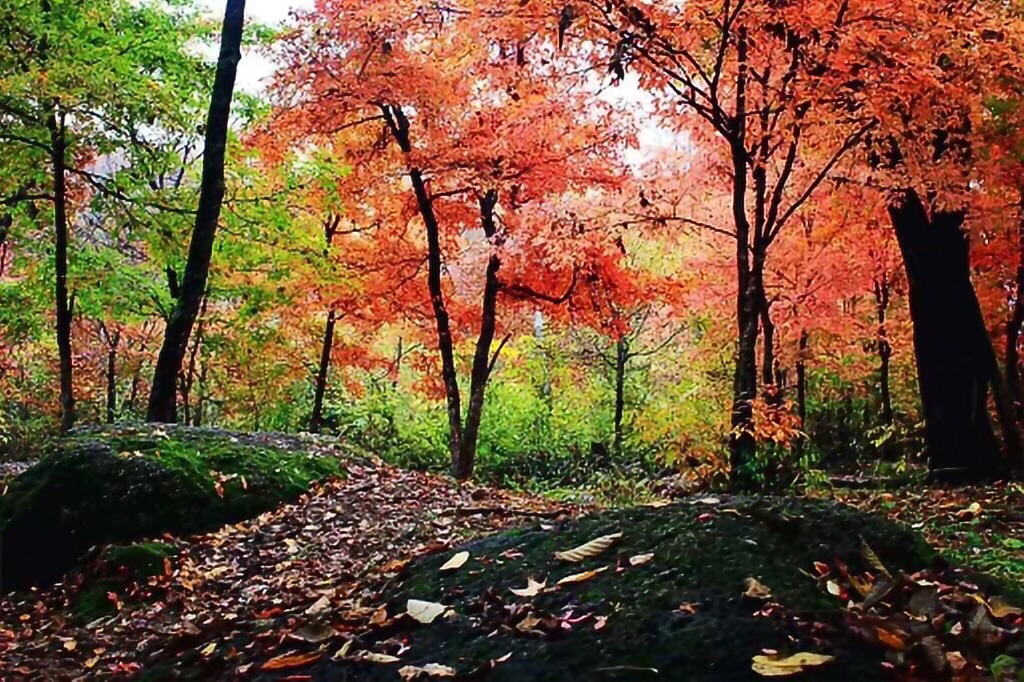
(683, 612)
(103, 489)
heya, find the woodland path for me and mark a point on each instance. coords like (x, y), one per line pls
(234, 598)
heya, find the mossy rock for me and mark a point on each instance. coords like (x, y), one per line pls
(703, 553)
(97, 489)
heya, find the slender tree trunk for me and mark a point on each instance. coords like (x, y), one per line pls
(58, 150)
(197, 416)
(1013, 326)
(316, 420)
(112, 344)
(621, 359)
(162, 406)
(483, 363)
(955, 360)
(884, 347)
(399, 126)
(801, 392)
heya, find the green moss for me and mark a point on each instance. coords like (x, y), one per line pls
(140, 560)
(93, 600)
(703, 554)
(97, 489)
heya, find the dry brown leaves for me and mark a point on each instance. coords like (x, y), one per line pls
(267, 589)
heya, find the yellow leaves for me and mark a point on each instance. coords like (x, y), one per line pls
(425, 612)
(580, 577)
(589, 549)
(532, 589)
(456, 562)
(777, 666)
(755, 589)
(412, 672)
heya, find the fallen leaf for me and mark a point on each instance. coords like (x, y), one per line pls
(687, 608)
(973, 510)
(321, 605)
(457, 561)
(891, 639)
(833, 588)
(872, 559)
(314, 633)
(532, 589)
(529, 623)
(999, 608)
(755, 589)
(709, 500)
(425, 612)
(287, 661)
(373, 657)
(956, 660)
(209, 649)
(600, 622)
(588, 549)
(580, 577)
(640, 559)
(775, 666)
(411, 672)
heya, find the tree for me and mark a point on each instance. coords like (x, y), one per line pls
(59, 112)
(162, 397)
(482, 143)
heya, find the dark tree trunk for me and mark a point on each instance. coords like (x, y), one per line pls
(197, 416)
(162, 407)
(112, 344)
(483, 363)
(621, 360)
(58, 150)
(398, 124)
(1013, 326)
(884, 348)
(955, 360)
(801, 392)
(316, 420)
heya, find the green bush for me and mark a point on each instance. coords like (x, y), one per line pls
(98, 489)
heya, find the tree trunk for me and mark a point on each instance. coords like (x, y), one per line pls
(801, 393)
(954, 352)
(462, 466)
(112, 344)
(1013, 326)
(197, 416)
(316, 420)
(621, 359)
(884, 347)
(58, 148)
(399, 126)
(162, 406)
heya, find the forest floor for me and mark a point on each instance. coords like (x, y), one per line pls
(247, 600)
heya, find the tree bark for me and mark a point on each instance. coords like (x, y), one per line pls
(398, 123)
(58, 150)
(882, 289)
(1013, 326)
(801, 392)
(316, 420)
(112, 344)
(621, 359)
(162, 407)
(462, 466)
(955, 360)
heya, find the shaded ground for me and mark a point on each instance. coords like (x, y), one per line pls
(319, 589)
(234, 595)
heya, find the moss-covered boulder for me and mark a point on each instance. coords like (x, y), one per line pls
(102, 488)
(682, 613)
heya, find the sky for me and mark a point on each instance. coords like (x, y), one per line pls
(255, 68)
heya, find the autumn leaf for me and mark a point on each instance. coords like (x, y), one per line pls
(425, 612)
(532, 589)
(755, 589)
(411, 672)
(457, 561)
(640, 559)
(872, 559)
(287, 661)
(580, 577)
(777, 666)
(589, 549)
